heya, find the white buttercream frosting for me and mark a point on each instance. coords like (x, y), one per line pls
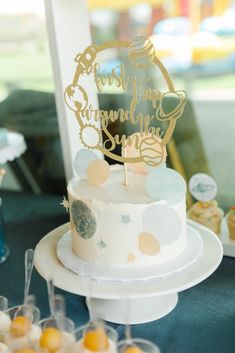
(113, 190)
(106, 222)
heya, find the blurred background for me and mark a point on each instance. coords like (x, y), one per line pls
(194, 39)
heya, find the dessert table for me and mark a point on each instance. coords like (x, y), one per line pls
(203, 321)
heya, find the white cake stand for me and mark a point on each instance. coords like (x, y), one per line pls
(148, 300)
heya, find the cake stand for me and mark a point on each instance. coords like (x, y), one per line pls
(148, 300)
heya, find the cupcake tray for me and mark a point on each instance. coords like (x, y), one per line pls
(147, 301)
(228, 243)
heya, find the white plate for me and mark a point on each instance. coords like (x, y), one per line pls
(48, 266)
(187, 258)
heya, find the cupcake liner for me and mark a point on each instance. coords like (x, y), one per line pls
(213, 224)
(231, 228)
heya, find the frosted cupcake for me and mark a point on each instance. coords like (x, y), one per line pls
(230, 218)
(207, 214)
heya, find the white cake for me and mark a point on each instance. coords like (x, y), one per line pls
(121, 226)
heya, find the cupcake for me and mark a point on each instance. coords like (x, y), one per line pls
(207, 214)
(230, 218)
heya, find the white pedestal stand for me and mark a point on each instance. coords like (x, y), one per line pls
(149, 300)
(141, 310)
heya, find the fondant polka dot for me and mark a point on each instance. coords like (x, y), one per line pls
(203, 187)
(162, 222)
(98, 172)
(165, 184)
(82, 160)
(83, 219)
(148, 244)
(162, 165)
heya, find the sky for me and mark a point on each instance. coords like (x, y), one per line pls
(22, 6)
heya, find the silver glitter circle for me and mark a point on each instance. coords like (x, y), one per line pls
(83, 219)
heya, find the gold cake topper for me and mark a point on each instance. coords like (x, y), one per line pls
(94, 122)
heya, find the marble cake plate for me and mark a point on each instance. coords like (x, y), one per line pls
(187, 258)
(148, 300)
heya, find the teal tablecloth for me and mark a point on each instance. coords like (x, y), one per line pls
(202, 322)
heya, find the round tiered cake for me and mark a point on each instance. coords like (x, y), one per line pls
(122, 226)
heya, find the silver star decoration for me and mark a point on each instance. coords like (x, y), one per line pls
(125, 218)
(65, 204)
(102, 244)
